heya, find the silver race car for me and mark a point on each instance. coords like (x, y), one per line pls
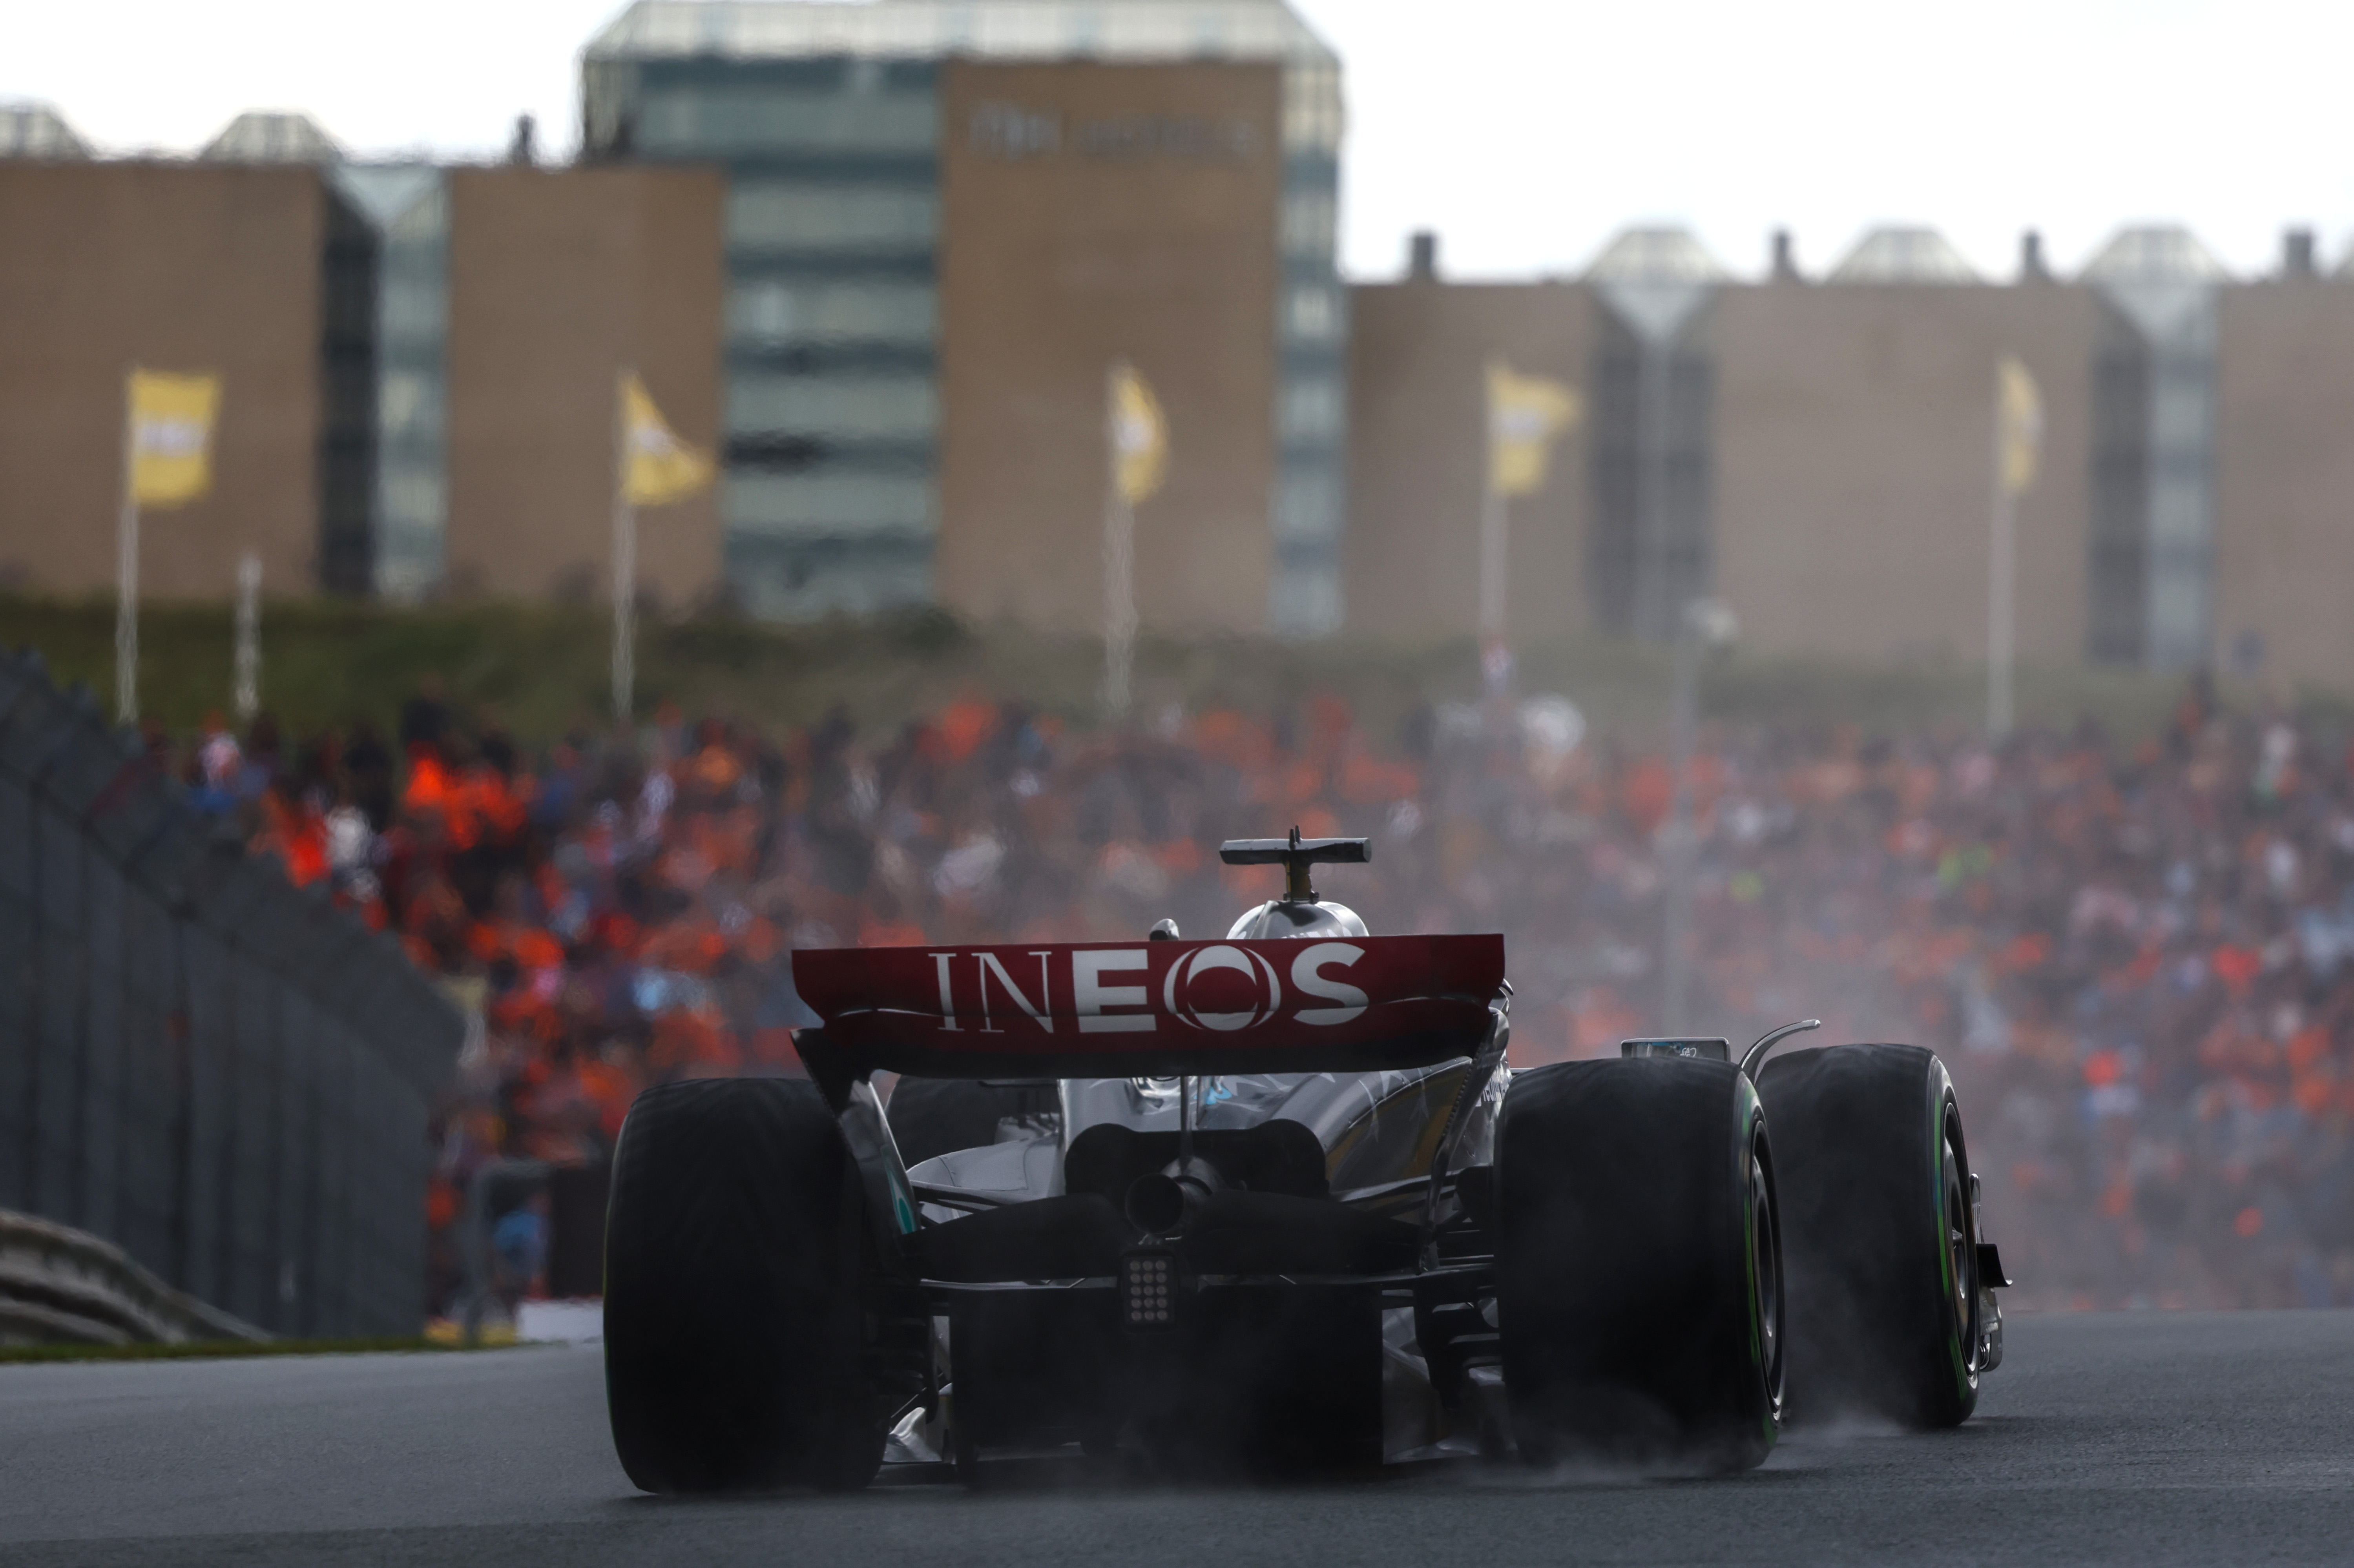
(1272, 1201)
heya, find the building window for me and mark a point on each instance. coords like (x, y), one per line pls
(1312, 314)
(1307, 506)
(773, 215)
(830, 505)
(838, 408)
(721, 120)
(1313, 411)
(1310, 223)
(1312, 109)
(778, 314)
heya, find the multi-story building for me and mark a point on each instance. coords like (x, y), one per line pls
(859, 270)
(1820, 454)
(417, 363)
(881, 256)
(205, 266)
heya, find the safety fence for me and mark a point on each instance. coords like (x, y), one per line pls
(221, 1074)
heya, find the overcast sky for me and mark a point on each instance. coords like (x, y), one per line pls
(1526, 131)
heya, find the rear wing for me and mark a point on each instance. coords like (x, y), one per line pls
(1148, 1008)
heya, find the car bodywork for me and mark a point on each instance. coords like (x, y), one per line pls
(1252, 1240)
(1257, 1222)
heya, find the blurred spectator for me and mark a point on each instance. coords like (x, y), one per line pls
(2138, 960)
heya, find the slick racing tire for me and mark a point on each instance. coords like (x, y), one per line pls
(735, 1247)
(940, 1116)
(1879, 1233)
(1638, 1290)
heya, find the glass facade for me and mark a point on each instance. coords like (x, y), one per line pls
(1311, 502)
(406, 209)
(2151, 571)
(832, 222)
(826, 118)
(1652, 548)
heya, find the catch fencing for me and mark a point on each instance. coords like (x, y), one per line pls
(219, 1072)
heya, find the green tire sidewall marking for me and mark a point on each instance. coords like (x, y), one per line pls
(1749, 1113)
(1941, 1089)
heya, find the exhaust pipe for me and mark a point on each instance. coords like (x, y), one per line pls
(1167, 1199)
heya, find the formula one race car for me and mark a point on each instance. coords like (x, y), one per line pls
(1271, 1202)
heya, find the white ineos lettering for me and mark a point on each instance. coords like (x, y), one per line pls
(947, 997)
(1175, 990)
(1091, 996)
(986, 964)
(1307, 976)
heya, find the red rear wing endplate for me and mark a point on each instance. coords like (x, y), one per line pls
(1152, 1009)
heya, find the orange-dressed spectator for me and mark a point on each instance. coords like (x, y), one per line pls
(428, 788)
(2135, 955)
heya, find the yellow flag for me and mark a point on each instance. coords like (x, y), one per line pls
(1526, 414)
(657, 467)
(1140, 435)
(171, 436)
(2018, 421)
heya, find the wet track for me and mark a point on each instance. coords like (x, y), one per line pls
(2136, 1439)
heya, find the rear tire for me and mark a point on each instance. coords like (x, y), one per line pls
(1638, 1269)
(1880, 1233)
(735, 1249)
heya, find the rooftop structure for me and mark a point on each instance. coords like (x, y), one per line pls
(1904, 255)
(37, 131)
(273, 136)
(2153, 254)
(1655, 256)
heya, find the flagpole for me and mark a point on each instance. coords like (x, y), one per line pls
(1119, 561)
(2001, 588)
(246, 693)
(625, 564)
(126, 570)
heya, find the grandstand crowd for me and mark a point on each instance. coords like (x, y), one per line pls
(2137, 959)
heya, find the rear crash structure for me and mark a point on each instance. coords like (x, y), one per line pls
(1268, 1203)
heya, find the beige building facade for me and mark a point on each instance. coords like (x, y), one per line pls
(278, 279)
(561, 282)
(2285, 482)
(1419, 355)
(1095, 214)
(1820, 455)
(418, 367)
(172, 268)
(1854, 479)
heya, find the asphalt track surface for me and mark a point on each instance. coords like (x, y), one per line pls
(2143, 1438)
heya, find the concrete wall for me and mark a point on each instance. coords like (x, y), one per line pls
(557, 279)
(173, 267)
(1854, 466)
(1417, 420)
(1133, 214)
(2285, 482)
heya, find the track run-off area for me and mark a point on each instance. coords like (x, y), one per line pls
(2140, 1439)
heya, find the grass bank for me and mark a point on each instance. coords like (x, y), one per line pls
(540, 669)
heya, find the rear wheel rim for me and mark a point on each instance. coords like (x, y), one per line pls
(1961, 1251)
(1765, 1270)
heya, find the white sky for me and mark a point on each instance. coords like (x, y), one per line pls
(1526, 131)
